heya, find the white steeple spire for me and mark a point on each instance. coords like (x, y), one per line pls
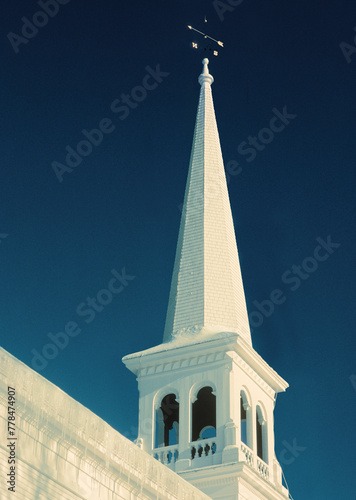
(206, 397)
(206, 292)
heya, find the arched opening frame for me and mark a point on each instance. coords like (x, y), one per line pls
(261, 433)
(203, 412)
(166, 418)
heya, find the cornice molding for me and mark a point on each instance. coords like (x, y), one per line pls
(166, 358)
(253, 374)
(183, 363)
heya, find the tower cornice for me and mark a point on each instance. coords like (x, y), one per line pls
(168, 357)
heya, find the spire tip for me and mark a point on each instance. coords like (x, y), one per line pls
(205, 76)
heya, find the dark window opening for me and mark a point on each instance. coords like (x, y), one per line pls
(204, 415)
(259, 438)
(167, 422)
(243, 422)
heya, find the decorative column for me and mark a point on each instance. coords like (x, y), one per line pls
(249, 425)
(146, 424)
(270, 441)
(232, 419)
(184, 458)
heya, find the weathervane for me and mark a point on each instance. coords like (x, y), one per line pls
(207, 47)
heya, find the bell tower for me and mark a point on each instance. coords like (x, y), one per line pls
(206, 398)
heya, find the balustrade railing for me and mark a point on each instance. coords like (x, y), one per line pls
(260, 465)
(248, 454)
(203, 448)
(166, 455)
(262, 468)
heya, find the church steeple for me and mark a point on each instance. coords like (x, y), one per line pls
(206, 292)
(207, 399)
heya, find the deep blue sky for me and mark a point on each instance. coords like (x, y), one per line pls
(119, 207)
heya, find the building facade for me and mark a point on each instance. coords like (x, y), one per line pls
(63, 451)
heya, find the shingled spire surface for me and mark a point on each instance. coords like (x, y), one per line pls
(206, 291)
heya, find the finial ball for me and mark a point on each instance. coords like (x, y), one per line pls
(205, 76)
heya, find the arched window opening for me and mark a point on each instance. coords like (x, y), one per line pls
(167, 422)
(261, 435)
(204, 415)
(243, 421)
(246, 433)
(259, 438)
